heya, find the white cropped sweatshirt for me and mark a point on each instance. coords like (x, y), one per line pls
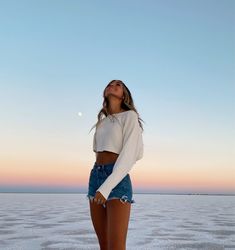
(122, 136)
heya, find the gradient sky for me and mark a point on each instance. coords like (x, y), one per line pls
(177, 58)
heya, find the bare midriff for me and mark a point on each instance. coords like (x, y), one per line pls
(106, 157)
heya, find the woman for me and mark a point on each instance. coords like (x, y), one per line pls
(118, 144)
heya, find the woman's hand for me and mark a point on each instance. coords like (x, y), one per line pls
(99, 198)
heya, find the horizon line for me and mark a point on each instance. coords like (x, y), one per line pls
(40, 192)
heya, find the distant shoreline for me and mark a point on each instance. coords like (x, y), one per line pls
(134, 193)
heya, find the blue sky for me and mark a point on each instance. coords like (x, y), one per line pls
(176, 57)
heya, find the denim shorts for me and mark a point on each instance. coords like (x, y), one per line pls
(99, 173)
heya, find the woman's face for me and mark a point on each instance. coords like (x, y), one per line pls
(115, 88)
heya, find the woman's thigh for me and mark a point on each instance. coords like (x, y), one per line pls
(99, 221)
(118, 214)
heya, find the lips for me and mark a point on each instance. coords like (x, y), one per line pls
(112, 88)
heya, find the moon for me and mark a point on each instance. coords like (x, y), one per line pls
(79, 113)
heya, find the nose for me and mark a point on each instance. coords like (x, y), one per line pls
(112, 86)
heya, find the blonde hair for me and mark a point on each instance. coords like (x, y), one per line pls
(127, 104)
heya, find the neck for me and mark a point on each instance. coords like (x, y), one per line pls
(114, 105)
(115, 110)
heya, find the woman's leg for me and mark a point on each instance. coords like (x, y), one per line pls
(118, 214)
(99, 220)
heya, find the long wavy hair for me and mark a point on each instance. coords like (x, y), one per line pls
(127, 104)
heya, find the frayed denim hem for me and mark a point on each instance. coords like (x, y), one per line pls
(123, 199)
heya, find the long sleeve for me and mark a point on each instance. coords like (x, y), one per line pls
(132, 150)
(94, 143)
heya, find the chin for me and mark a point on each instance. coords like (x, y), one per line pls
(113, 95)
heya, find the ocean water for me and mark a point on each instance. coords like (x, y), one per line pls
(62, 221)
